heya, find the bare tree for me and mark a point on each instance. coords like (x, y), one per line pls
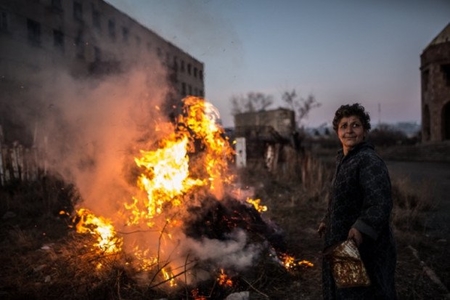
(252, 102)
(300, 105)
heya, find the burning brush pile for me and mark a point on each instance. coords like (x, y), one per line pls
(189, 227)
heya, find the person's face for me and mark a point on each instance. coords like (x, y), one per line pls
(350, 132)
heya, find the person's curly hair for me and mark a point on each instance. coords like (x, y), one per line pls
(348, 110)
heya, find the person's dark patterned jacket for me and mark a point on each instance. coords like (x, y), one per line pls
(360, 197)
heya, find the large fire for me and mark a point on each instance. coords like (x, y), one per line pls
(177, 177)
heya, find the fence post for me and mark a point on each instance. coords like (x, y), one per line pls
(2, 164)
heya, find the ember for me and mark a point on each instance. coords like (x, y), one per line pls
(184, 220)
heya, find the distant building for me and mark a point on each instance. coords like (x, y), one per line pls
(85, 38)
(266, 125)
(262, 135)
(435, 77)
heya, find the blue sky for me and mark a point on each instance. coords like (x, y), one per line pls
(340, 51)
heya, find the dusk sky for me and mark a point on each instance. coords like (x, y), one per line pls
(340, 51)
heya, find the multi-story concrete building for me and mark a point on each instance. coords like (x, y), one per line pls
(87, 39)
(435, 77)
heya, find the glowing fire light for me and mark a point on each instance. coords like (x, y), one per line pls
(168, 276)
(193, 159)
(101, 228)
(223, 279)
(289, 262)
(256, 204)
(166, 173)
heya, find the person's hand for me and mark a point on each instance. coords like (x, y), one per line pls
(321, 229)
(355, 235)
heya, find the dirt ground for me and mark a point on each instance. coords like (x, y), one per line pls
(423, 270)
(437, 176)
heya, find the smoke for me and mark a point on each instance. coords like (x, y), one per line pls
(89, 131)
(233, 253)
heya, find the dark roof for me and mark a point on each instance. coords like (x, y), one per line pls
(442, 37)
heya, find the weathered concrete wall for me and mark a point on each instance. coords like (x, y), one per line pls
(264, 123)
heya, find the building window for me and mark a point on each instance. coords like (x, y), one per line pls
(446, 72)
(96, 19)
(189, 69)
(201, 93)
(97, 54)
(34, 32)
(138, 41)
(3, 21)
(77, 11)
(167, 58)
(58, 40)
(183, 89)
(182, 66)
(175, 63)
(112, 29)
(56, 5)
(190, 89)
(125, 34)
(195, 72)
(79, 44)
(200, 74)
(425, 79)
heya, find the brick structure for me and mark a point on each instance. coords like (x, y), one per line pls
(88, 39)
(435, 78)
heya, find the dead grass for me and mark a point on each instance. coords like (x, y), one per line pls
(42, 258)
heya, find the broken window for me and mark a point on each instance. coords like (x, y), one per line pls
(97, 54)
(56, 5)
(112, 29)
(58, 40)
(125, 34)
(79, 44)
(96, 19)
(77, 11)
(3, 20)
(34, 32)
(175, 63)
(138, 41)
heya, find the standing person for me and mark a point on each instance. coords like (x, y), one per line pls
(359, 208)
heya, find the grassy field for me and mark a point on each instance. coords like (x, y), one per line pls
(42, 257)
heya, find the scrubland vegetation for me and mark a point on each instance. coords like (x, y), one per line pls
(42, 257)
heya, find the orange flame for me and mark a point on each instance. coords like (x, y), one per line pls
(101, 228)
(195, 157)
(191, 160)
(256, 204)
(168, 276)
(290, 263)
(224, 279)
(167, 174)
